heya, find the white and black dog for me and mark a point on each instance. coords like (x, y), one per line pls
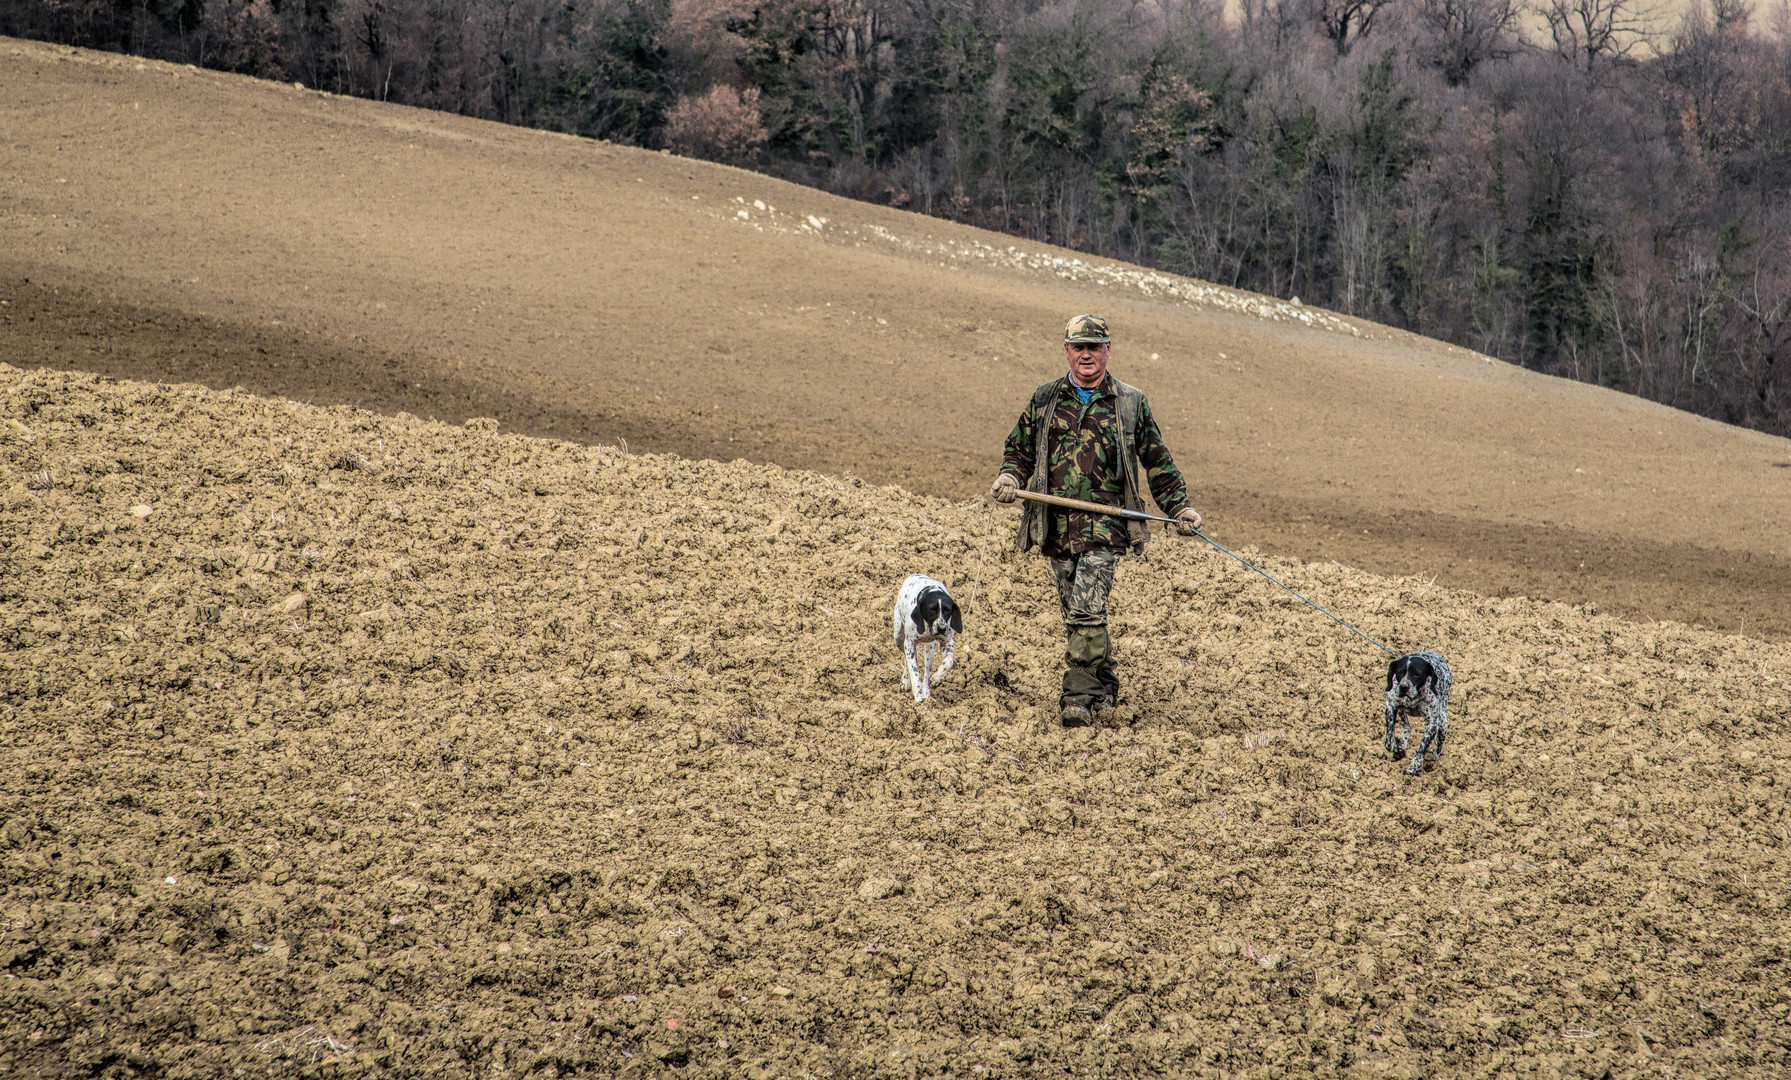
(1418, 683)
(925, 617)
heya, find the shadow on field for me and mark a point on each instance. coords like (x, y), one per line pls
(58, 327)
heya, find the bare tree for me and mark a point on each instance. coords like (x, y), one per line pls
(1273, 23)
(1346, 22)
(1587, 32)
(372, 36)
(721, 125)
(1707, 76)
(1467, 33)
(1764, 302)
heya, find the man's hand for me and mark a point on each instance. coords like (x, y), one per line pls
(1189, 521)
(1005, 488)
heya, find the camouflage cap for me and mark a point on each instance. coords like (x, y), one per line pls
(1086, 328)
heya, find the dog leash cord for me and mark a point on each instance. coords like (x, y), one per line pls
(1315, 607)
(1139, 515)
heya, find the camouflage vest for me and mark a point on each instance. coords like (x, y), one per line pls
(1035, 518)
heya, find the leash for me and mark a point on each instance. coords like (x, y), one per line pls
(1315, 607)
(968, 608)
(1139, 515)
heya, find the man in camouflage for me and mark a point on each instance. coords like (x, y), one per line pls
(1078, 437)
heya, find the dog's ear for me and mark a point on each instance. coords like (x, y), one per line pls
(957, 617)
(926, 610)
(1393, 670)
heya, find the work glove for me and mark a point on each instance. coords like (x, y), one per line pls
(1004, 489)
(1189, 521)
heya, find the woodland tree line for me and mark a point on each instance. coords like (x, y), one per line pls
(1574, 185)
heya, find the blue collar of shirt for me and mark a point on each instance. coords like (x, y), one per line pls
(1087, 395)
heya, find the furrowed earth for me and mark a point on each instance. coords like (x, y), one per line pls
(339, 744)
(335, 741)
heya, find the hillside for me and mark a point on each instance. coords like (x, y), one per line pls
(339, 744)
(166, 223)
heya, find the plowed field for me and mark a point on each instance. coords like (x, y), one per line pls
(337, 744)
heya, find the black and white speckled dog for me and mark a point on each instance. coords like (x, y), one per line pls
(926, 620)
(1418, 683)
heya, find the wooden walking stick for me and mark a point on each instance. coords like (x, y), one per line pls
(1095, 508)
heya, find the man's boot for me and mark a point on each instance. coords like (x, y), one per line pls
(1109, 698)
(1087, 658)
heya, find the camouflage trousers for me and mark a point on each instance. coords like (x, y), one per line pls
(1083, 581)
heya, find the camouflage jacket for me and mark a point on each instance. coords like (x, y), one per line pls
(1080, 443)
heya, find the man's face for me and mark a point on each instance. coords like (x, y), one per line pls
(1088, 361)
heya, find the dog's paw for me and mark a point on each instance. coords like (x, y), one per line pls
(1416, 768)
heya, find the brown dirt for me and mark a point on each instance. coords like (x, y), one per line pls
(1634, 576)
(337, 744)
